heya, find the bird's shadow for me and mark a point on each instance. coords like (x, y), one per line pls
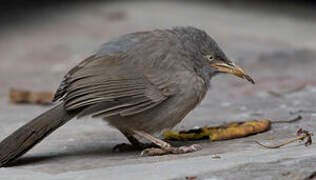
(36, 159)
(101, 150)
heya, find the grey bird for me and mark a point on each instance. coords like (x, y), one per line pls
(140, 83)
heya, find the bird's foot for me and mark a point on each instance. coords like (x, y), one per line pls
(124, 147)
(164, 147)
(170, 150)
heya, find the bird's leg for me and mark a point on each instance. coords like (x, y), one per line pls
(135, 144)
(165, 148)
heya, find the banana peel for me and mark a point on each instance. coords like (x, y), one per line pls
(224, 132)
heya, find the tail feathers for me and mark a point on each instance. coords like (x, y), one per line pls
(32, 133)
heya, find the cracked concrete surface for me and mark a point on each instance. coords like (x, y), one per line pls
(279, 51)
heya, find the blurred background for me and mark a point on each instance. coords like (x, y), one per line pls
(274, 41)
(40, 40)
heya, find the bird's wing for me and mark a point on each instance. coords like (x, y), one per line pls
(106, 86)
(110, 51)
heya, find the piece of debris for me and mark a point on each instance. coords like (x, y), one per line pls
(290, 91)
(19, 96)
(215, 156)
(191, 177)
(225, 132)
(229, 131)
(302, 135)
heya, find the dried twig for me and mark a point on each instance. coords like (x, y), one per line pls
(306, 135)
(298, 118)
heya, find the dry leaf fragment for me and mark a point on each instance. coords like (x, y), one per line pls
(18, 96)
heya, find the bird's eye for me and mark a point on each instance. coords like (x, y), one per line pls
(210, 57)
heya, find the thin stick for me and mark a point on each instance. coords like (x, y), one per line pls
(300, 131)
(299, 117)
(283, 144)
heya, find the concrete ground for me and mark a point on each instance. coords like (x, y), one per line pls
(278, 50)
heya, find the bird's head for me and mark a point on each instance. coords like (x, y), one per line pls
(221, 64)
(208, 53)
(218, 61)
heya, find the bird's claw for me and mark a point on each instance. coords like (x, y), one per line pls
(124, 147)
(170, 150)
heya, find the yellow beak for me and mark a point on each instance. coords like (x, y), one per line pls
(232, 69)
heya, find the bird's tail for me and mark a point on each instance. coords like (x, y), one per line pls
(32, 133)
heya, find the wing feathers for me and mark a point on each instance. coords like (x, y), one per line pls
(103, 88)
(102, 108)
(139, 108)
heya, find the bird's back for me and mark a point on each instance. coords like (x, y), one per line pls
(136, 75)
